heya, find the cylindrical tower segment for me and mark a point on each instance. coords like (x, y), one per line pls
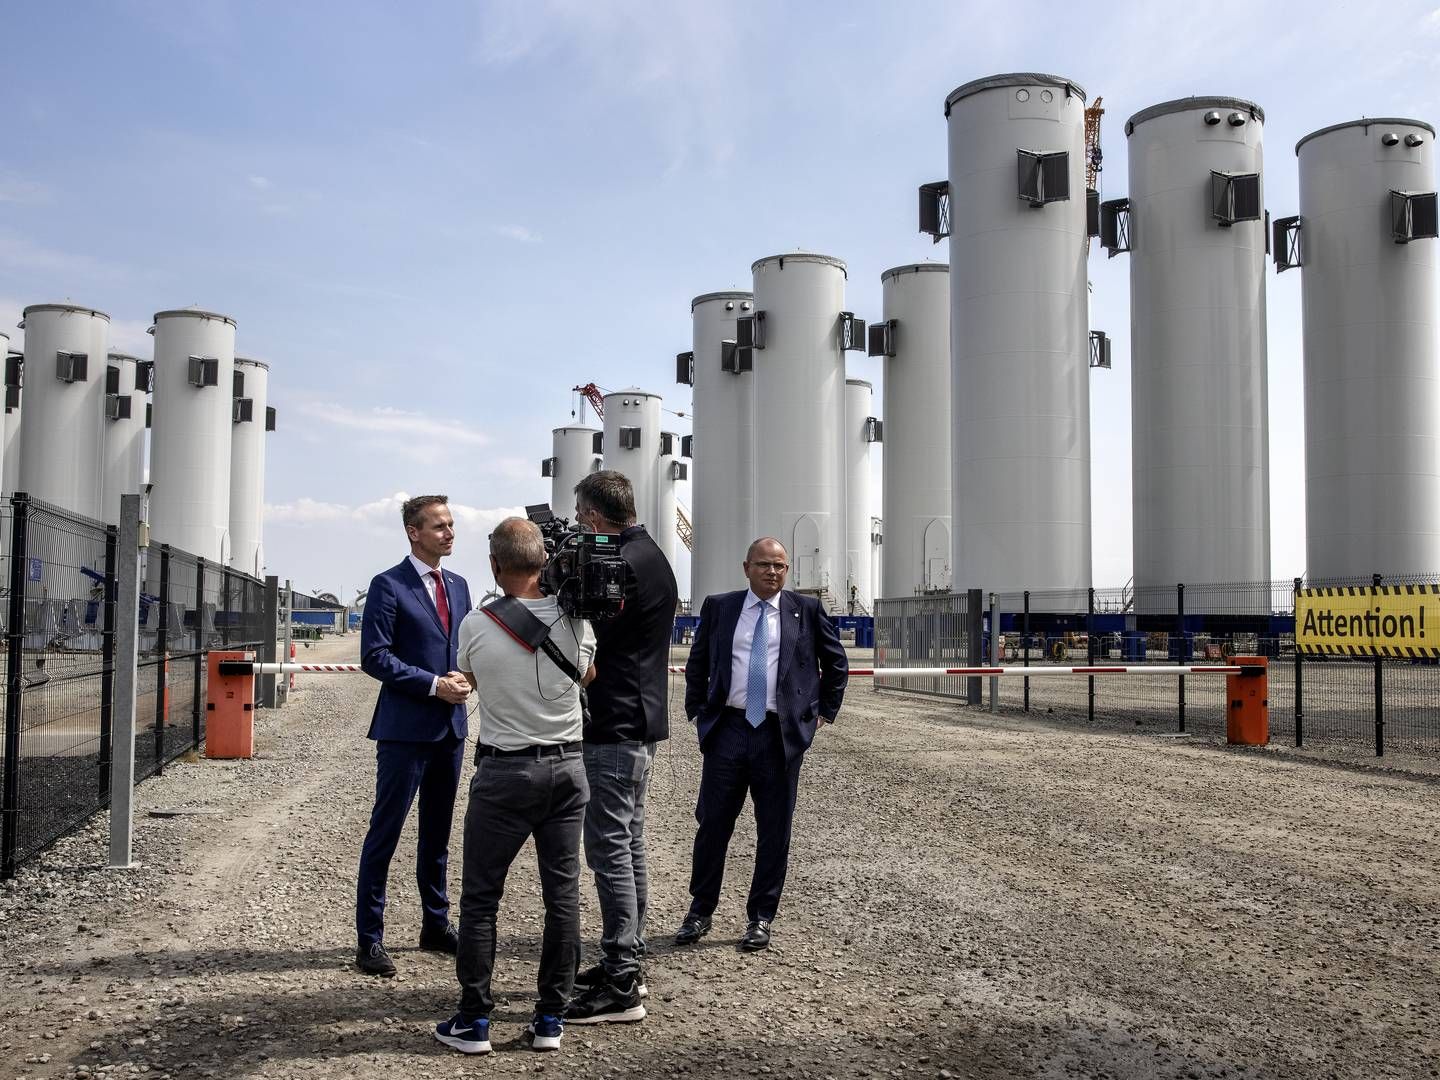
(915, 557)
(247, 465)
(1372, 399)
(799, 379)
(860, 433)
(668, 468)
(1199, 404)
(124, 433)
(190, 435)
(575, 454)
(62, 447)
(1020, 417)
(722, 491)
(632, 446)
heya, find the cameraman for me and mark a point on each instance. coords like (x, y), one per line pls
(627, 718)
(527, 661)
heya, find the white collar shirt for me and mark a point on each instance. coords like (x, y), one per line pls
(425, 578)
(740, 650)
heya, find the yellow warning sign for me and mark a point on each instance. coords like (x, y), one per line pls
(1386, 620)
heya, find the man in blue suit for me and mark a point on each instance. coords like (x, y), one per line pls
(408, 639)
(766, 670)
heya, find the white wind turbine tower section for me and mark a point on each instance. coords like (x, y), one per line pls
(914, 340)
(61, 453)
(1199, 399)
(861, 432)
(1019, 307)
(251, 419)
(1367, 245)
(124, 431)
(723, 487)
(575, 454)
(794, 336)
(190, 435)
(632, 447)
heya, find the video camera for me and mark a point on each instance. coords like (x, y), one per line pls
(583, 570)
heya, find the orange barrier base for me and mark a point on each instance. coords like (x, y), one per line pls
(1247, 717)
(229, 709)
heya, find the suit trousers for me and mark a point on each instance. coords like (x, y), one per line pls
(737, 760)
(511, 800)
(402, 771)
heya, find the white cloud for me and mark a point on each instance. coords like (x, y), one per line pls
(261, 183)
(519, 233)
(382, 420)
(381, 515)
(16, 189)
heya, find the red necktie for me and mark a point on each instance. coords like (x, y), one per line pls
(442, 606)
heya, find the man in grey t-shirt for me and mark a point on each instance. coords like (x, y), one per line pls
(529, 781)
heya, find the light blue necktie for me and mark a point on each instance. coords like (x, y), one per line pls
(759, 665)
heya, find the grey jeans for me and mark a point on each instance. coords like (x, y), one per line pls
(511, 799)
(618, 774)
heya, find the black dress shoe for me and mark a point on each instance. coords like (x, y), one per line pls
(757, 936)
(372, 959)
(692, 929)
(446, 940)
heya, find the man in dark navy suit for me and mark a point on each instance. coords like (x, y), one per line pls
(408, 639)
(766, 670)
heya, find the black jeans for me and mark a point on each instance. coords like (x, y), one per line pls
(511, 799)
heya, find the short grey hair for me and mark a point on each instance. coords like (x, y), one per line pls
(518, 546)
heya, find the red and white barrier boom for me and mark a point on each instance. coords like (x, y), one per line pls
(246, 667)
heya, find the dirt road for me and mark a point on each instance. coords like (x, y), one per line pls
(968, 897)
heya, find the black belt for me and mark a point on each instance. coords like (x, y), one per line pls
(538, 751)
(739, 714)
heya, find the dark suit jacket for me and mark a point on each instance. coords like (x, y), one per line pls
(632, 651)
(402, 645)
(812, 676)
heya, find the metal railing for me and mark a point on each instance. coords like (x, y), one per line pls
(1331, 703)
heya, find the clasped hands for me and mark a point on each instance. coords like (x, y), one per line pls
(452, 687)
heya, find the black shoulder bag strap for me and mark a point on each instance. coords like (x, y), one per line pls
(529, 631)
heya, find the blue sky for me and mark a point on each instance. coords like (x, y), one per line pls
(433, 220)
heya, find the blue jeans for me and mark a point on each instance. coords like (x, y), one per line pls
(618, 773)
(511, 800)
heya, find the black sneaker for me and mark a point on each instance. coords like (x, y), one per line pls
(606, 1004)
(594, 976)
(374, 960)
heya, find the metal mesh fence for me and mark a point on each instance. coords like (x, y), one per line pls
(59, 633)
(59, 615)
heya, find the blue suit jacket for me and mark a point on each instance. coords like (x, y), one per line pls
(402, 645)
(812, 676)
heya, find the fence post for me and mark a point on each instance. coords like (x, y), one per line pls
(995, 657)
(225, 580)
(14, 689)
(162, 655)
(1090, 649)
(107, 664)
(126, 652)
(197, 697)
(974, 620)
(282, 686)
(269, 631)
(1379, 682)
(1299, 671)
(1184, 649)
(1025, 645)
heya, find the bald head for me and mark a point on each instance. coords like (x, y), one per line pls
(766, 565)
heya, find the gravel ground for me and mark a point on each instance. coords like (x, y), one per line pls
(968, 896)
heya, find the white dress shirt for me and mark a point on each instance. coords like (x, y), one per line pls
(740, 651)
(429, 583)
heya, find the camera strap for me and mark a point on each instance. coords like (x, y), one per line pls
(529, 631)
